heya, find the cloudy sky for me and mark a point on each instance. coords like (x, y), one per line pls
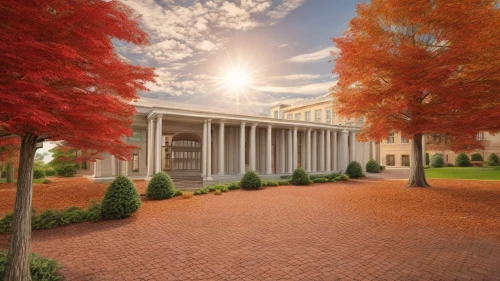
(283, 46)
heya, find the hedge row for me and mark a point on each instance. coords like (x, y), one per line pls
(42, 269)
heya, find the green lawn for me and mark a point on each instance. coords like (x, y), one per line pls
(473, 173)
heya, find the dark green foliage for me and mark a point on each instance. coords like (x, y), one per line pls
(332, 180)
(476, 157)
(270, 183)
(234, 185)
(343, 177)
(320, 180)
(42, 269)
(64, 161)
(449, 165)
(437, 161)
(283, 182)
(493, 160)
(66, 170)
(121, 199)
(50, 172)
(47, 181)
(177, 192)
(94, 211)
(73, 215)
(214, 187)
(38, 174)
(427, 167)
(300, 177)
(161, 186)
(354, 170)
(201, 191)
(427, 160)
(462, 160)
(47, 219)
(223, 188)
(250, 180)
(6, 225)
(372, 166)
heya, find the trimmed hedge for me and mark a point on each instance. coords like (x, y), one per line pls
(354, 170)
(462, 160)
(493, 160)
(270, 183)
(283, 182)
(66, 171)
(121, 199)
(160, 186)
(250, 181)
(476, 157)
(42, 269)
(300, 177)
(38, 174)
(320, 180)
(372, 166)
(437, 161)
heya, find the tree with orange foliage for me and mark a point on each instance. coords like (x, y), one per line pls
(61, 80)
(422, 67)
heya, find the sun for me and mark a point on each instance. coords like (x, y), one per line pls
(237, 78)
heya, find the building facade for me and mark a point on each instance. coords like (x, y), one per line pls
(219, 147)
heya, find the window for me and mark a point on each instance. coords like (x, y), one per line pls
(390, 139)
(404, 140)
(84, 165)
(329, 116)
(480, 136)
(308, 116)
(317, 115)
(298, 116)
(276, 114)
(405, 160)
(289, 116)
(390, 160)
(136, 137)
(135, 162)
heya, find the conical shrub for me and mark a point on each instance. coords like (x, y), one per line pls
(121, 199)
(161, 186)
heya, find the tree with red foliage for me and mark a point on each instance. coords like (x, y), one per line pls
(422, 67)
(61, 80)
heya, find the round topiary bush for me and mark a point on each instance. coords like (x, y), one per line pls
(354, 170)
(476, 157)
(250, 180)
(300, 177)
(372, 166)
(493, 160)
(462, 160)
(160, 186)
(121, 199)
(437, 161)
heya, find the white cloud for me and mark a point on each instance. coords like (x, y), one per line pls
(318, 55)
(284, 9)
(308, 89)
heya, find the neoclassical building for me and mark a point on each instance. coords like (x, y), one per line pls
(211, 145)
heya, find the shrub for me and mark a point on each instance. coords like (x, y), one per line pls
(218, 192)
(437, 161)
(41, 269)
(223, 188)
(73, 215)
(283, 182)
(476, 157)
(250, 180)
(201, 191)
(332, 180)
(50, 172)
(6, 226)
(382, 168)
(493, 160)
(177, 192)
(271, 183)
(234, 185)
(47, 219)
(38, 174)
(121, 199)
(427, 161)
(47, 181)
(187, 195)
(94, 211)
(450, 165)
(462, 160)
(343, 177)
(320, 180)
(372, 166)
(160, 187)
(300, 177)
(354, 170)
(333, 176)
(66, 170)
(427, 167)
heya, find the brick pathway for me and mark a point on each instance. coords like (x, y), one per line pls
(281, 233)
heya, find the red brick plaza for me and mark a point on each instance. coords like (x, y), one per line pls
(360, 230)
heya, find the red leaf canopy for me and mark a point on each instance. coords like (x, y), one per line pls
(420, 66)
(60, 77)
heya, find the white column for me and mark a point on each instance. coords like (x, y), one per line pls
(295, 151)
(269, 150)
(242, 148)
(97, 169)
(209, 149)
(252, 150)
(221, 149)
(378, 154)
(290, 152)
(124, 168)
(113, 166)
(309, 152)
(204, 151)
(352, 147)
(150, 148)
(322, 151)
(282, 151)
(314, 151)
(343, 153)
(335, 151)
(328, 151)
(158, 144)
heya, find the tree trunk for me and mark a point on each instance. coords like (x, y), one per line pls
(18, 265)
(417, 174)
(10, 172)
